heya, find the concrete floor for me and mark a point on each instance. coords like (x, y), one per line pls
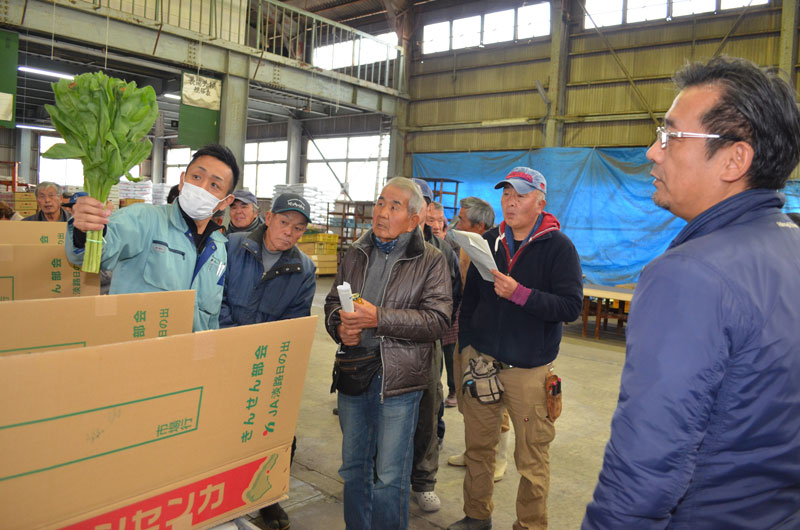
(590, 372)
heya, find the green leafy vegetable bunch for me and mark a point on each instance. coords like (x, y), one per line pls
(103, 121)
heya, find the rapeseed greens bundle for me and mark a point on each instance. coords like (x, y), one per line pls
(103, 121)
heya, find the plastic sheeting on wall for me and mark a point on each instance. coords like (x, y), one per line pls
(602, 197)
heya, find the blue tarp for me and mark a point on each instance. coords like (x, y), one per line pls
(602, 197)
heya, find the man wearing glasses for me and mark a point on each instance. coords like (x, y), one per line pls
(705, 434)
(48, 196)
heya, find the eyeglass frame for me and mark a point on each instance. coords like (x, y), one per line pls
(664, 135)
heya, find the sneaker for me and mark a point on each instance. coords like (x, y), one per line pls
(468, 523)
(274, 517)
(450, 402)
(500, 470)
(456, 460)
(501, 460)
(428, 501)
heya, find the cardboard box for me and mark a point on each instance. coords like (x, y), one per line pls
(176, 432)
(317, 248)
(325, 271)
(28, 233)
(127, 202)
(325, 238)
(25, 196)
(25, 213)
(25, 205)
(324, 258)
(92, 320)
(42, 271)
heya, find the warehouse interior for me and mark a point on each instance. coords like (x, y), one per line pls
(336, 96)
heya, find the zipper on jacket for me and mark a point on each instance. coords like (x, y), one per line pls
(380, 345)
(380, 337)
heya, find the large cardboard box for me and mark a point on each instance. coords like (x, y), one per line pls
(32, 233)
(92, 320)
(176, 432)
(42, 271)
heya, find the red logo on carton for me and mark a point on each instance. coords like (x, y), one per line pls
(195, 503)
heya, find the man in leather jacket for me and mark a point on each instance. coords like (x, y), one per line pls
(406, 305)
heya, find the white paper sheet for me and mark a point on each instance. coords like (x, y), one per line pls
(478, 251)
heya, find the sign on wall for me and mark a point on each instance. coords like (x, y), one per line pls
(198, 118)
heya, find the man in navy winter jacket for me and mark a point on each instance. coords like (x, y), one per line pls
(707, 429)
(270, 279)
(517, 320)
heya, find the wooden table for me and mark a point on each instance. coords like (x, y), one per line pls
(602, 310)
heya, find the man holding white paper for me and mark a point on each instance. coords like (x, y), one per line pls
(516, 321)
(385, 355)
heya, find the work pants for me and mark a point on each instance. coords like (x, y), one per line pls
(524, 398)
(426, 439)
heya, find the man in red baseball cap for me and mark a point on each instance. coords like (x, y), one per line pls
(516, 321)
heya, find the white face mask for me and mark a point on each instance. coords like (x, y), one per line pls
(198, 203)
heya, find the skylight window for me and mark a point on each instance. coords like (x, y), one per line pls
(498, 27)
(466, 32)
(533, 21)
(436, 37)
(692, 7)
(641, 10)
(603, 13)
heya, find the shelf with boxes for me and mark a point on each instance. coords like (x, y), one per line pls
(322, 249)
(22, 202)
(349, 219)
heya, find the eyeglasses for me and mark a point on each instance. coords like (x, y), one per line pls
(664, 135)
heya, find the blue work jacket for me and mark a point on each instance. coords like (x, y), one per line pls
(707, 429)
(150, 249)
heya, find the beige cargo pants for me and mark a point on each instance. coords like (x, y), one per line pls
(524, 398)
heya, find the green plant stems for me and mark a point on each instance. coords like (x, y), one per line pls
(93, 251)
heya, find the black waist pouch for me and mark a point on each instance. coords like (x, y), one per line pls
(354, 369)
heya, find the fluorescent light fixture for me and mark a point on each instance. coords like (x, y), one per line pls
(47, 73)
(172, 96)
(35, 127)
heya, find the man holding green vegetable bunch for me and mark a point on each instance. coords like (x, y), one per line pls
(169, 247)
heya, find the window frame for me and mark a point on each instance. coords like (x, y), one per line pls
(718, 9)
(260, 163)
(381, 159)
(481, 41)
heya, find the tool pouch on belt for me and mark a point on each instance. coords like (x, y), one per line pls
(482, 382)
(354, 369)
(552, 389)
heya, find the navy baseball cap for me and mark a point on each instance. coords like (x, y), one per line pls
(424, 188)
(288, 202)
(245, 197)
(75, 196)
(524, 180)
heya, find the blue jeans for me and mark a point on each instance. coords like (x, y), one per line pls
(377, 453)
